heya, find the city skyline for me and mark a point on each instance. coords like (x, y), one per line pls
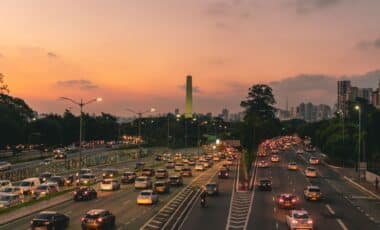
(56, 47)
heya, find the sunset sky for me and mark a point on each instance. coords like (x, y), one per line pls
(137, 53)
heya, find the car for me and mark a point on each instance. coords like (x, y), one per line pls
(265, 184)
(212, 189)
(162, 173)
(310, 172)
(199, 167)
(275, 158)
(5, 183)
(312, 192)
(175, 180)
(98, 219)
(143, 182)
(57, 179)
(29, 185)
(71, 180)
(110, 173)
(147, 197)
(85, 193)
(299, 219)
(170, 165)
(149, 172)
(161, 187)
(287, 200)
(4, 166)
(223, 173)
(87, 179)
(191, 162)
(205, 164)
(45, 176)
(84, 171)
(292, 166)
(263, 164)
(178, 167)
(50, 220)
(230, 162)
(46, 189)
(59, 154)
(216, 158)
(313, 161)
(109, 185)
(7, 200)
(12, 190)
(262, 154)
(300, 152)
(46, 162)
(128, 177)
(158, 158)
(186, 172)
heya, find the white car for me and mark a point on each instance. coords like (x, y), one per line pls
(310, 172)
(147, 197)
(28, 186)
(7, 200)
(199, 167)
(87, 179)
(299, 219)
(109, 185)
(5, 183)
(313, 161)
(12, 190)
(143, 182)
(178, 167)
(5, 165)
(312, 192)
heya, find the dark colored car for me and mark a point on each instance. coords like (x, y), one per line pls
(128, 177)
(162, 173)
(161, 187)
(175, 180)
(158, 158)
(57, 179)
(98, 219)
(265, 184)
(147, 172)
(286, 200)
(50, 220)
(212, 189)
(186, 172)
(44, 177)
(85, 193)
(223, 173)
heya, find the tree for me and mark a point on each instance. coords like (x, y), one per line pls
(3, 87)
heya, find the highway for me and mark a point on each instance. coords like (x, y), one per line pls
(333, 212)
(121, 203)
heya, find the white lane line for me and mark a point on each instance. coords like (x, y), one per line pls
(342, 225)
(276, 225)
(330, 209)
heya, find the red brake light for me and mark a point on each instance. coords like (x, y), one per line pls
(294, 200)
(99, 219)
(82, 219)
(281, 200)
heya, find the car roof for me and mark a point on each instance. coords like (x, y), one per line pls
(313, 187)
(143, 177)
(287, 194)
(147, 190)
(299, 212)
(31, 179)
(48, 212)
(95, 211)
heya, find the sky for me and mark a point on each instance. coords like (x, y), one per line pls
(136, 53)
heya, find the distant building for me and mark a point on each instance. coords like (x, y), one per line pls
(224, 115)
(236, 117)
(343, 89)
(375, 98)
(176, 111)
(189, 97)
(312, 113)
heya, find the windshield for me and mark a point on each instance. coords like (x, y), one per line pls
(87, 176)
(311, 169)
(5, 198)
(145, 193)
(314, 190)
(210, 186)
(301, 215)
(141, 179)
(106, 182)
(26, 183)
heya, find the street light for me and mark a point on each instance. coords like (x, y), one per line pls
(81, 104)
(198, 134)
(140, 114)
(357, 107)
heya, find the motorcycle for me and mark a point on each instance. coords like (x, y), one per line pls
(203, 202)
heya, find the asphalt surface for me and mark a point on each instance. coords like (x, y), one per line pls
(333, 212)
(121, 203)
(215, 214)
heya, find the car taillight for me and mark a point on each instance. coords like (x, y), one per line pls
(294, 221)
(294, 200)
(85, 193)
(99, 219)
(75, 193)
(82, 219)
(281, 200)
(309, 221)
(226, 174)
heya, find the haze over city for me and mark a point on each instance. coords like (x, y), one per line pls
(137, 53)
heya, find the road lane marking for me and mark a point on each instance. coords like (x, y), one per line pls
(342, 225)
(330, 209)
(276, 225)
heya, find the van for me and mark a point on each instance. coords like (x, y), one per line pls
(28, 186)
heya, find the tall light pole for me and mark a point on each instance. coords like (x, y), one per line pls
(357, 107)
(198, 134)
(140, 114)
(81, 104)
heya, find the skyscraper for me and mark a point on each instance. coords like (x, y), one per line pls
(343, 89)
(189, 97)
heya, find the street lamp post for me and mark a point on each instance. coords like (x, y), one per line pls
(81, 104)
(198, 134)
(357, 107)
(140, 114)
